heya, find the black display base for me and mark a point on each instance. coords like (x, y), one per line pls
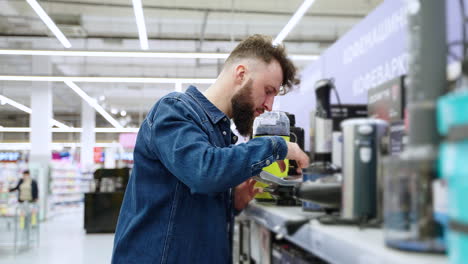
(279, 202)
(335, 219)
(102, 211)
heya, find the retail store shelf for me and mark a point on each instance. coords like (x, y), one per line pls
(72, 178)
(68, 202)
(336, 244)
(67, 186)
(70, 192)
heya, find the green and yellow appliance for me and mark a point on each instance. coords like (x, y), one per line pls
(275, 123)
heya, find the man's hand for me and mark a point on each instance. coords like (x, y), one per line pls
(296, 153)
(244, 193)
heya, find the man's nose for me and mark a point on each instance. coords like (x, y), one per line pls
(268, 104)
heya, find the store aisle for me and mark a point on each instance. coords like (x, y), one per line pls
(63, 240)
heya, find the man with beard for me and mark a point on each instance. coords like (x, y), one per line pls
(188, 179)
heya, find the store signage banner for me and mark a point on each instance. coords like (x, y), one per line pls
(98, 155)
(371, 53)
(10, 156)
(128, 140)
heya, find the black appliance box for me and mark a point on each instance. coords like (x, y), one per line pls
(102, 211)
(346, 111)
(387, 101)
(102, 207)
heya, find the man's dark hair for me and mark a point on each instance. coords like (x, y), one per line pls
(261, 47)
(25, 172)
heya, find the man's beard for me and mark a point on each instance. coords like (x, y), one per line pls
(243, 109)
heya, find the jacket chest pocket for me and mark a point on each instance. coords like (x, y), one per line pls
(217, 139)
(214, 135)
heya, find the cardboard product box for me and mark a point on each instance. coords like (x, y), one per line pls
(297, 135)
(398, 138)
(387, 101)
(346, 111)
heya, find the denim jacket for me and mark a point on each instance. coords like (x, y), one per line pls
(178, 205)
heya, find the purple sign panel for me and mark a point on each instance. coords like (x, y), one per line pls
(371, 53)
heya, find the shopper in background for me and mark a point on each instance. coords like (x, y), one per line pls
(188, 179)
(27, 188)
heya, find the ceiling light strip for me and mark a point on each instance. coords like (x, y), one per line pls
(50, 24)
(140, 20)
(293, 21)
(29, 110)
(104, 79)
(92, 102)
(55, 145)
(299, 57)
(135, 54)
(15, 104)
(59, 124)
(72, 130)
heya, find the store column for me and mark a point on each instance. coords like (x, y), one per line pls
(88, 137)
(41, 133)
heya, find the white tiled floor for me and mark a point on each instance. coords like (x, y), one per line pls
(63, 240)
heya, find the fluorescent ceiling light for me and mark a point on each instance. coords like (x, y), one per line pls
(178, 87)
(73, 130)
(55, 145)
(293, 21)
(117, 54)
(59, 124)
(15, 104)
(92, 102)
(140, 20)
(134, 54)
(104, 79)
(29, 110)
(50, 24)
(298, 57)
(15, 129)
(116, 130)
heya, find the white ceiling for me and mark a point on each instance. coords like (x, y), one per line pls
(175, 25)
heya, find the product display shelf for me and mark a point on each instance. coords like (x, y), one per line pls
(73, 178)
(336, 244)
(67, 186)
(9, 176)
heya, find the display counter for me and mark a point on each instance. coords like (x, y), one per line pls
(333, 243)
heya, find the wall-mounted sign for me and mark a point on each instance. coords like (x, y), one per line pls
(98, 155)
(127, 140)
(10, 156)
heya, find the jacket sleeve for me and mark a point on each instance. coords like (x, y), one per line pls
(184, 148)
(35, 191)
(17, 186)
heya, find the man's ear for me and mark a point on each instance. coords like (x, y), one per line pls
(240, 73)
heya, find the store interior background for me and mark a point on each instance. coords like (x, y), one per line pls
(171, 26)
(62, 158)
